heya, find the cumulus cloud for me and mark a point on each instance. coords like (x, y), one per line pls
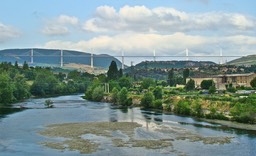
(7, 32)
(162, 20)
(144, 44)
(60, 25)
(138, 30)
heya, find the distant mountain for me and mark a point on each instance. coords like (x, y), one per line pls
(51, 57)
(173, 64)
(246, 61)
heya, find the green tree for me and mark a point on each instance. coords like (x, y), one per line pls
(171, 78)
(147, 82)
(185, 75)
(98, 94)
(25, 66)
(113, 73)
(45, 84)
(158, 92)
(123, 96)
(197, 108)
(16, 65)
(6, 89)
(206, 84)
(147, 100)
(253, 83)
(190, 85)
(125, 82)
(114, 95)
(182, 107)
(21, 90)
(120, 72)
(212, 89)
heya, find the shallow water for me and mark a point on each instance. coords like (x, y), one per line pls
(20, 123)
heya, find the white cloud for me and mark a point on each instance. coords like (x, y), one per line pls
(162, 20)
(60, 25)
(64, 19)
(54, 30)
(175, 44)
(7, 32)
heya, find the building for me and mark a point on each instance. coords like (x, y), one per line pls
(226, 79)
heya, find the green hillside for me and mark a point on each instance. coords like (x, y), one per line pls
(244, 61)
(173, 64)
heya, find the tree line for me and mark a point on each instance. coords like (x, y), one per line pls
(21, 82)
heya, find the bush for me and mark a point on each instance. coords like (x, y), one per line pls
(158, 104)
(147, 100)
(98, 94)
(122, 96)
(182, 107)
(158, 93)
(114, 95)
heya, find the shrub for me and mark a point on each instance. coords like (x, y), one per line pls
(122, 96)
(157, 104)
(114, 95)
(98, 94)
(147, 100)
(182, 107)
(158, 93)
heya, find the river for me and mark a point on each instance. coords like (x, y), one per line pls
(19, 129)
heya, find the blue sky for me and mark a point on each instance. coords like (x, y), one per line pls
(136, 27)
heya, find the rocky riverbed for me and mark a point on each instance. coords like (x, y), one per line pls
(89, 137)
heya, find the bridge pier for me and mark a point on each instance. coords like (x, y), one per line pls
(61, 58)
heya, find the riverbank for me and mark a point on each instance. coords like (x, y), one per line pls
(232, 124)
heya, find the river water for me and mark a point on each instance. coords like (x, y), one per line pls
(19, 129)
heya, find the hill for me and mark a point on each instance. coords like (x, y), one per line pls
(244, 61)
(172, 64)
(51, 57)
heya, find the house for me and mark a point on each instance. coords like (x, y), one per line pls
(226, 79)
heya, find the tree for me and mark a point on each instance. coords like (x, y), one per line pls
(158, 93)
(147, 100)
(25, 66)
(98, 94)
(125, 82)
(212, 89)
(45, 84)
(185, 75)
(112, 71)
(6, 89)
(16, 65)
(171, 78)
(114, 95)
(253, 83)
(123, 96)
(190, 85)
(182, 107)
(120, 72)
(206, 84)
(147, 82)
(21, 90)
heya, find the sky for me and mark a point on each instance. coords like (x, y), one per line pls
(133, 27)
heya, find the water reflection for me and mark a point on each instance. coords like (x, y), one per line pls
(222, 128)
(7, 111)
